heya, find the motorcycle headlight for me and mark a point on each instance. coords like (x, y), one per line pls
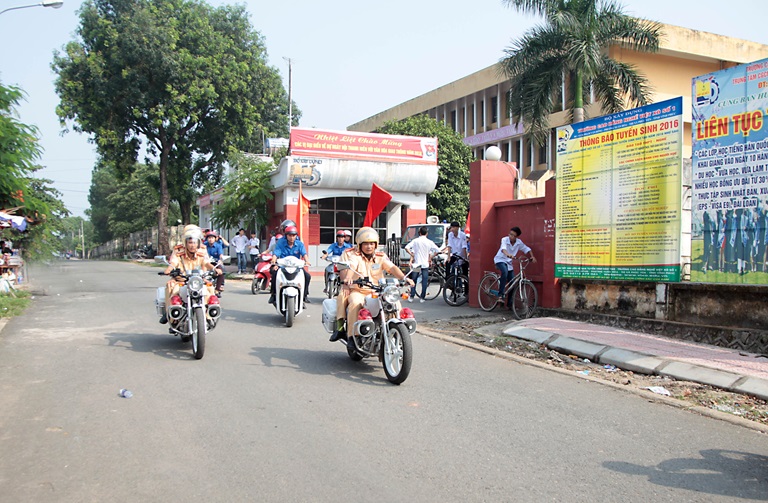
(391, 294)
(195, 283)
(290, 270)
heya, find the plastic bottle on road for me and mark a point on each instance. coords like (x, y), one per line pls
(125, 393)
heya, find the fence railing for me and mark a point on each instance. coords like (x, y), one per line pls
(122, 247)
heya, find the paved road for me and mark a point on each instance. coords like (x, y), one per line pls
(277, 414)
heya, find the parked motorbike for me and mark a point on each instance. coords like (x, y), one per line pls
(190, 314)
(289, 288)
(332, 280)
(383, 328)
(262, 275)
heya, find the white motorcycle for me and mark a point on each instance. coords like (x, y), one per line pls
(190, 315)
(289, 288)
(332, 280)
(383, 328)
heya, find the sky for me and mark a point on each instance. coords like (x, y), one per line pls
(350, 59)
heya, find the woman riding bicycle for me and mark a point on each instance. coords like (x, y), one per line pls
(509, 249)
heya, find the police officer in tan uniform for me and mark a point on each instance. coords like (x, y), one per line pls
(190, 256)
(364, 261)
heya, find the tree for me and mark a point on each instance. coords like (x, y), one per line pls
(178, 79)
(573, 44)
(245, 193)
(450, 199)
(30, 197)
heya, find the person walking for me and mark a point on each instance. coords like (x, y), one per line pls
(422, 250)
(253, 250)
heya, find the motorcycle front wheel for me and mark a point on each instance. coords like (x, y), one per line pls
(397, 361)
(198, 333)
(290, 310)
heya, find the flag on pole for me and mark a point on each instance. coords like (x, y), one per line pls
(302, 208)
(466, 227)
(376, 204)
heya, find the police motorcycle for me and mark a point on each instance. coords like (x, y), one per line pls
(332, 279)
(190, 315)
(383, 328)
(289, 288)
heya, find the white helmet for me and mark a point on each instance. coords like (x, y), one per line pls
(193, 232)
(367, 235)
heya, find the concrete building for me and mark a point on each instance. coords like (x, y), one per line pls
(476, 105)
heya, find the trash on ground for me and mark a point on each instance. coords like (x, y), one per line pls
(585, 372)
(125, 393)
(659, 390)
(610, 368)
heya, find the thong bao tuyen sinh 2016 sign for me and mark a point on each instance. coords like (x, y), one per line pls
(730, 175)
(619, 195)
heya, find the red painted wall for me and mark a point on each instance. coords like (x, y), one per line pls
(494, 211)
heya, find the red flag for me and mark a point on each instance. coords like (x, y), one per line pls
(466, 227)
(302, 208)
(376, 204)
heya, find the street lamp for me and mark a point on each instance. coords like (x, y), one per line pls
(56, 4)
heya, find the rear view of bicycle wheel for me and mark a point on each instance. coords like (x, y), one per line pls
(456, 290)
(525, 298)
(487, 293)
(434, 287)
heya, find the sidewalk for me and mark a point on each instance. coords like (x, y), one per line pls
(724, 368)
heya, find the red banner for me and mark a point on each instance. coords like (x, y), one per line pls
(376, 204)
(364, 146)
(302, 208)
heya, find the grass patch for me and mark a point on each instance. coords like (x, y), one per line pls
(11, 306)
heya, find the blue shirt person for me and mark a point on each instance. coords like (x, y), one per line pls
(290, 246)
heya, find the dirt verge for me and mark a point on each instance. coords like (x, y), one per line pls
(487, 332)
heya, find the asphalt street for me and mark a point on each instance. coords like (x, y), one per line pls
(280, 414)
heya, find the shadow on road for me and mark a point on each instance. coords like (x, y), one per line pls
(728, 473)
(333, 363)
(164, 345)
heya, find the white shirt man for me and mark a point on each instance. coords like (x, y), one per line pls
(457, 241)
(421, 249)
(240, 242)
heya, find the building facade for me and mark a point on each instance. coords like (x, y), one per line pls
(476, 106)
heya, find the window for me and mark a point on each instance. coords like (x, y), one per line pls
(482, 113)
(345, 213)
(453, 120)
(494, 110)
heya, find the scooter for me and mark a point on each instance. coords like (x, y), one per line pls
(383, 328)
(262, 276)
(289, 288)
(332, 280)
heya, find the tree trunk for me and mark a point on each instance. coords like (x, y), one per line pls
(186, 211)
(164, 247)
(578, 98)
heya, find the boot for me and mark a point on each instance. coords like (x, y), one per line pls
(338, 334)
(164, 319)
(272, 299)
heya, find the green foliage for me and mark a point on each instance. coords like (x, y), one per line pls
(73, 233)
(450, 199)
(573, 43)
(245, 193)
(34, 197)
(184, 80)
(13, 304)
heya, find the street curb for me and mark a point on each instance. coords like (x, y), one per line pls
(644, 363)
(3, 322)
(650, 396)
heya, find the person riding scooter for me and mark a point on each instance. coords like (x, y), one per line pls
(290, 245)
(336, 249)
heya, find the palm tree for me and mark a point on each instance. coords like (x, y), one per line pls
(572, 46)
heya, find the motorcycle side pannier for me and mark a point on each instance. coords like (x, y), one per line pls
(329, 315)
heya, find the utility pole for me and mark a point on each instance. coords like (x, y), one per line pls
(290, 100)
(82, 238)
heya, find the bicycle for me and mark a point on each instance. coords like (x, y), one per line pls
(521, 290)
(436, 279)
(456, 284)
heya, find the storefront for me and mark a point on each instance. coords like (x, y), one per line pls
(335, 171)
